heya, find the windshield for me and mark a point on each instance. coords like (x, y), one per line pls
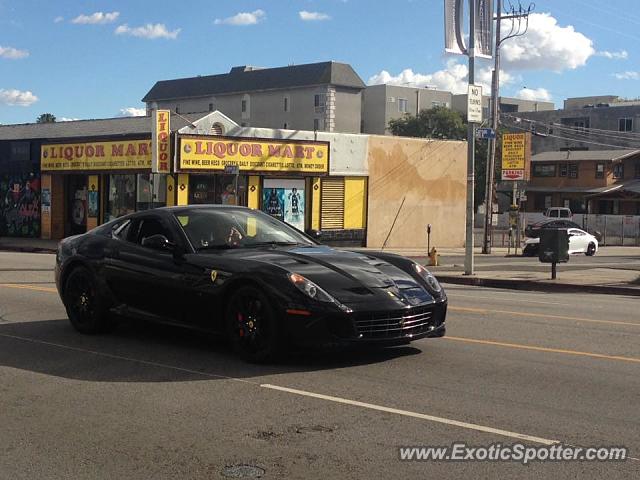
(236, 228)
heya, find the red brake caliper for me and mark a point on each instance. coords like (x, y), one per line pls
(240, 320)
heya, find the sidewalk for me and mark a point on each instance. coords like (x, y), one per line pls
(593, 280)
(33, 245)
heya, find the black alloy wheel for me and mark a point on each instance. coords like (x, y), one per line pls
(252, 326)
(84, 306)
(591, 250)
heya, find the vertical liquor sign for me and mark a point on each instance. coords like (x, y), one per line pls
(160, 142)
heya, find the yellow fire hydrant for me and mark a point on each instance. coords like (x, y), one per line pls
(433, 257)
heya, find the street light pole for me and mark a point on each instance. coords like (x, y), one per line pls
(495, 105)
(468, 257)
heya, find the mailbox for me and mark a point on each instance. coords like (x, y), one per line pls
(554, 245)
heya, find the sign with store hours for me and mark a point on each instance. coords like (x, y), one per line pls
(259, 155)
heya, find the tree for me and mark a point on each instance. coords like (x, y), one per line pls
(46, 118)
(437, 122)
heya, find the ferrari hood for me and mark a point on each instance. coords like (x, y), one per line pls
(351, 277)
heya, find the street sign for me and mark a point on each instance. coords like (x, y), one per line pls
(485, 133)
(474, 104)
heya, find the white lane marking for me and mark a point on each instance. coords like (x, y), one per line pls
(422, 416)
(455, 293)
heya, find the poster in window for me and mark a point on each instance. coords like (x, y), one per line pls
(273, 202)
(92, 210)
(294, 207)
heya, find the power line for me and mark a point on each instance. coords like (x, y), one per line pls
(574, 139)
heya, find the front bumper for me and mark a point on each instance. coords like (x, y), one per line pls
(394, 327)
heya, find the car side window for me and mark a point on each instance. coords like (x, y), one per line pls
(149, 227)
(121, 230)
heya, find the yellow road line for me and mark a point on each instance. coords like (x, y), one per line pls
(539, 315)
(29, 287)
(543, 349)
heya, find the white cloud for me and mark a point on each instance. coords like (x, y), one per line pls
(12, 53)
(546, 46)
(621, 55)
(17, 97)
(535, 94)
(313, 16)
(453, 78)
(243, 18)
(150, 31)
(96, 18)
(67, 119)
(58, 19)
(132, 112)
(627, 75)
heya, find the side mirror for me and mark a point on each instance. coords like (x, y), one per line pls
(158, 242)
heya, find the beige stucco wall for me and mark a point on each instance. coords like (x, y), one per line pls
(431, 176)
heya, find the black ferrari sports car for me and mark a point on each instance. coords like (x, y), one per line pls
(243, 273)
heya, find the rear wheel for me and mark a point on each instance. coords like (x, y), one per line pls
(85, 308)
(591, 250)
(252, 326)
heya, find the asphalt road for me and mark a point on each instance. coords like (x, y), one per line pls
(152, 402)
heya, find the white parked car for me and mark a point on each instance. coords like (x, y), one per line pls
(579, 242)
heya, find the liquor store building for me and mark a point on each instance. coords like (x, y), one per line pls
(358, 190)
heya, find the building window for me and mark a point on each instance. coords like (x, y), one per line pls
(285, 104)
(562, 170)
(319, 100)
(544, 170)
(599, 170)
(436, 104)
(403, 105)
(245, 106)
(316, 124)
(211, 107)
(285, 126)
(618, 171)
(625, 125)
(573, 170)
(177, 108)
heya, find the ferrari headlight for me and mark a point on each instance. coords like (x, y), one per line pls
(313, 291)
(428, 277)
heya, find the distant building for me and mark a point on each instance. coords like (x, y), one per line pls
(315, 97)
(586, 123)
(507, 105)
(383, 103)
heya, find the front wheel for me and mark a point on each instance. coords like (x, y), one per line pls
(591, 250)
(85, 308)
(252, 326)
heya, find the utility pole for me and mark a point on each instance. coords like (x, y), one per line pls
(515, 15)
(468, 253)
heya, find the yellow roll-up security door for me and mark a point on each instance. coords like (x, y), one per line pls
(332, 204)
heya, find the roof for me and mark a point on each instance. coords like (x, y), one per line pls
(245, 79)
(89, 128)
(632, 186)
(584, 155)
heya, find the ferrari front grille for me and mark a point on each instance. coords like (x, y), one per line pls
(394, 324)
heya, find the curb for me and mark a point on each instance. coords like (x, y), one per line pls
(537, 286)
(16, 248)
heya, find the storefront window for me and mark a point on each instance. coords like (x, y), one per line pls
(151, 192)
(122, 196)
(218, 189)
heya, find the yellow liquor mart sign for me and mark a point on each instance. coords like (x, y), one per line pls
(259, 155)
(124, 155)
(513, 151)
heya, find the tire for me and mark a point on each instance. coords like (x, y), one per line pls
(85, 308)
(252, 326)
(591, 250)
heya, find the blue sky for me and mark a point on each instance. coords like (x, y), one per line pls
(95, 59)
